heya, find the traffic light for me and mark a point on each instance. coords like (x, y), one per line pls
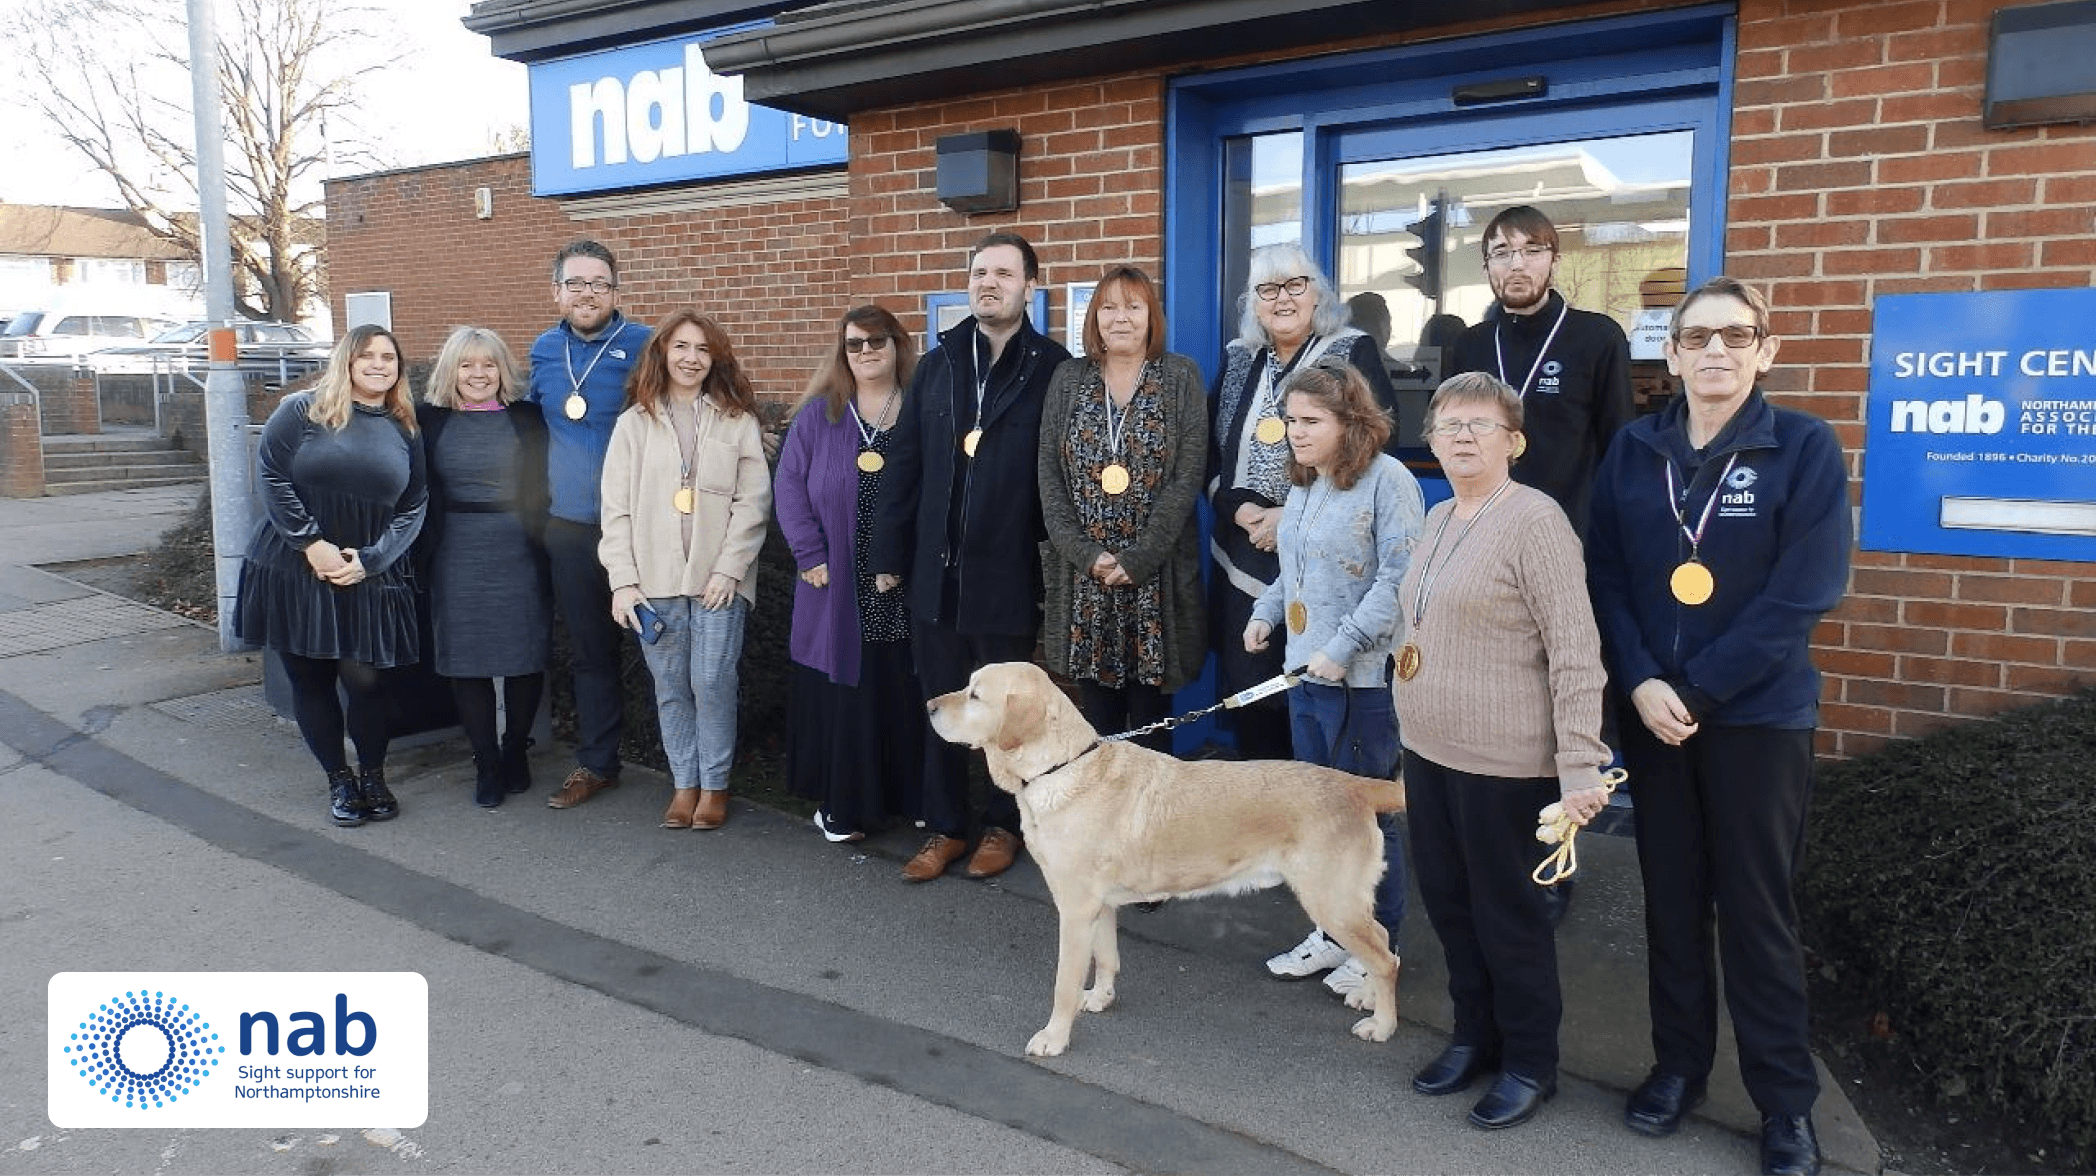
(1427, 254)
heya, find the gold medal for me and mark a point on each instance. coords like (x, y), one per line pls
(1408, 659)
(1298, 617)
(871, 462)
(684, 500)
(1271, 431)
(1114, 478)
(575, 406)
(973, 439)
(1692, 583)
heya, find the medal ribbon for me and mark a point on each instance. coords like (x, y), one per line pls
(1302, 542)
(1500, 354)
(1427, 571)
(567, 359)
(1115, 427)
(1695, 537)
(868, 434)
(1274, 373)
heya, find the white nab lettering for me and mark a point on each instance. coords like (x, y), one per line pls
(656, 114)
(1974, 414)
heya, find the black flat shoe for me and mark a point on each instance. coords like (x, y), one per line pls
(1512, 1101)
(1456, 1068)
(1659, 1104)
(1788, 1146)
(345, 803)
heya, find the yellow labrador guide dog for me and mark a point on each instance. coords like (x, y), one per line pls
(1114, 823)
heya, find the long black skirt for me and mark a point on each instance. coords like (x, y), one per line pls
(858, 751)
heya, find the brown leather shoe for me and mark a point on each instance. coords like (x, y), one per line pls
(999, 849)
(939, 852)
(683, 802)
(580, 785)
(712, 812)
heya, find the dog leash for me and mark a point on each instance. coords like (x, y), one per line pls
(1246, 697)
(1558, 828)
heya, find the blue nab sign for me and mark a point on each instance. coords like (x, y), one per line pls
(1981, 438)
(654, 114)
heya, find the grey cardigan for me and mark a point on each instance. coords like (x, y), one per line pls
(1170, 545)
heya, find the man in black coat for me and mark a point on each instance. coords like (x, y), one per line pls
(958, 525)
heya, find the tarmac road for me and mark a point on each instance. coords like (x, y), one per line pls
(606, 995)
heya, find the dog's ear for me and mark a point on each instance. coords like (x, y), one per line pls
(1025, 719)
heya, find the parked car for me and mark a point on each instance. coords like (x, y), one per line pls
(264, 347)
(52, 335)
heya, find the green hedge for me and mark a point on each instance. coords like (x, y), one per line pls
(1955, 875)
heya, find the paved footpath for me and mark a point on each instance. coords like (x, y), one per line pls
(606, 995)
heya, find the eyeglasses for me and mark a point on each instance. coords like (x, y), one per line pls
(866, 343)
(588, 286)
(1735, 336)
(1479, 428)
(1268, 291)
(1504, 257)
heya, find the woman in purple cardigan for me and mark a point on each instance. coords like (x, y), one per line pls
(855, 743)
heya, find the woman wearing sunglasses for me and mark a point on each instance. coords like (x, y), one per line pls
(1720, 537)
(855, 745)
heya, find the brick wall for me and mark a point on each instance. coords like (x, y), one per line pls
(21, 447)
(774, 272)
(1091, 183)
(1860, 168)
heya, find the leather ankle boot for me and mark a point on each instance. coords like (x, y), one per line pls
(487, 781)
(345, 802)
(516, 763)
(379, 804)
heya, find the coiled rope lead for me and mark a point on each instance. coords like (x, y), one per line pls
(1559, 829)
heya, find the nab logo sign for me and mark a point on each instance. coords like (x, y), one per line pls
(1974, 414)
(311, 1035)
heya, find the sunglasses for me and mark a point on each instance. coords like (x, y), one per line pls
(866, 343)
(1737, 335)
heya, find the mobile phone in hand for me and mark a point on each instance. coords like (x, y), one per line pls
(651, 626)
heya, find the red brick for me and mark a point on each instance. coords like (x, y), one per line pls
(2065, 253)
(1901, 582)
(2053, 680)
(1776, 91)
(1993, 257)
(1847, 55)
(1874, 141)
(1843, 716)
(1806, 176)
(1897, 695)
(1757, 121)
(1820, 116)
(1870, 261)
(1927, 169)
(1900, 639)
(1984, 194)
(2082, 593)
(2020, 281)
(1915, 724)
(1949, 671)
(1822, 234)
(1914, 230)
(1875, 201)
(1763, 267)
(1936, 107)
(1933, 44)
(2011, 589)
(1983, 704)
(1749, 181)
(2041, 222)
(1934, 284)
(2070, 189)
(2002, 647)
(2054, 157)
(1944, 615)
(1778, 149)
(2053, 622)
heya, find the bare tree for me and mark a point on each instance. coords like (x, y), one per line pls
(111, 76)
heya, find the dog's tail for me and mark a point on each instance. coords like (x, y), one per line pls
(1388, 796)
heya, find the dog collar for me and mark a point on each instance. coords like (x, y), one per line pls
(1059, 767)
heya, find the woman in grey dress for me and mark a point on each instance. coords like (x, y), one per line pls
(490, 606)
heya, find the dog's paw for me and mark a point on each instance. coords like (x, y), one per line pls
(1098, 998)
(1048, 1043)
(1360, 999)
(1375, 1028)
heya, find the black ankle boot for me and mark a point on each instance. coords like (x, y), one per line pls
(345, 802)
(487, 781)
(516, 763)
(379, 804)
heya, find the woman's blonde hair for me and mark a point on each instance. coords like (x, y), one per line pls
(332, 395)
(472, 343)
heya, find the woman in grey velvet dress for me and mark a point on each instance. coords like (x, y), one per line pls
(490, 607)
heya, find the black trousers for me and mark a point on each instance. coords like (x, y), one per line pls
(945, 658)
(1720, 832)
(1473, 846)
(583, 594)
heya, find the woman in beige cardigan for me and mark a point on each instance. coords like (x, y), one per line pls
(685, 497)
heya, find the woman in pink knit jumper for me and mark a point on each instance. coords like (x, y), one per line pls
(1498, 690)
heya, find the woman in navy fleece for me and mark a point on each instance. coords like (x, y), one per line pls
(1720, 537)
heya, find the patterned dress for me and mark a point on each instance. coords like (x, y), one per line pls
(1116, 633)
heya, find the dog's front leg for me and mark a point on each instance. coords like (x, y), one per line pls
(1106, 961)
(1073, 956)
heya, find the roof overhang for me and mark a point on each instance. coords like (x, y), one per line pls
(833, 59)
(534, 30)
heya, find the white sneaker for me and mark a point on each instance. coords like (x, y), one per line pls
(1347, 977)
(1317, 952)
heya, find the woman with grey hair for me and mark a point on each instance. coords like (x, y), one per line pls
(1290, 317)
(491, 610)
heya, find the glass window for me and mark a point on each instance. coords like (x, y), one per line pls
(1262, 205)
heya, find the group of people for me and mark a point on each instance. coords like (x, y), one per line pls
(950, 511)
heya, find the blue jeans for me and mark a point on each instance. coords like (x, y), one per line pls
(1355, 730)
(694, 664)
